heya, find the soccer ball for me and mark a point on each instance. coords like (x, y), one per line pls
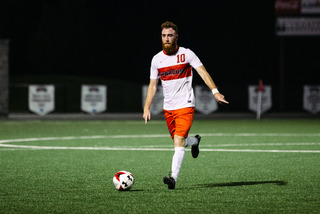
(123, 180)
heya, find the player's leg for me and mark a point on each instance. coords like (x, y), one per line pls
(195, 148)
(179, 129)
(190, 141)
(183, 121)
(194, 143)
(183, 125)
(169, 116)
(178, 156)
(179, 123)
(177, 159)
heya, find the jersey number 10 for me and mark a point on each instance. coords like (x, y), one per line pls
(181, 58)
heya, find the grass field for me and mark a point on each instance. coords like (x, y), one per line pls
(244, 166)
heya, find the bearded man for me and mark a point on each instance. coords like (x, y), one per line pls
(173, 65)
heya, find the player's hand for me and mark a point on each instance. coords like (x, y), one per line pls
(220, 99)
(146, 116)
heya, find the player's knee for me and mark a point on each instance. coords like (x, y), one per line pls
(179, 141)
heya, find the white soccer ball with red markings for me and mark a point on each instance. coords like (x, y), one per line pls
(123, 180)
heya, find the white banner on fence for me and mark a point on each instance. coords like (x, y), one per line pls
(300, 26)
(311, 98)
(310, 6)
(41, 99)
(266, 99)
(93, 98)
(157, 103)
(205, 102)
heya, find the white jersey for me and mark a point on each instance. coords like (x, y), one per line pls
(175, 72)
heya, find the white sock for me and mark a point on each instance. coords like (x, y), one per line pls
(190, 141)
(177, 160)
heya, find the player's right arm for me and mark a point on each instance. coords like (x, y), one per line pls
(209, 82)
(152, 89)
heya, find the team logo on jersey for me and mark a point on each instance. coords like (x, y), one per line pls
(175, 72)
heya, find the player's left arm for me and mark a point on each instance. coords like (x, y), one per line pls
(210, 83)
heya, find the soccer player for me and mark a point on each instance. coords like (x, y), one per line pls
(174, 66)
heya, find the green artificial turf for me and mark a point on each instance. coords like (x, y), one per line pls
(244, 166)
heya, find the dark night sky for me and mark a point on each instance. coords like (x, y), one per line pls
(117, 39)
(112, 38)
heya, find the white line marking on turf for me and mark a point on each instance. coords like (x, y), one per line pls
(264, 144)
(260, 150)
(261, 134)
(80, 138)
(84, 148)
(161, 135)
(156, 148)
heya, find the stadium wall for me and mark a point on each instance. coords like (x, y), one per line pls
(122, 96)
(126, 96)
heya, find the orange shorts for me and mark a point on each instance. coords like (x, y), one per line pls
(179, 121)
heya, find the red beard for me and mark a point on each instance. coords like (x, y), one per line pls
(170, 48)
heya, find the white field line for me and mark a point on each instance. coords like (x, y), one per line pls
(152, 149)
(3, 143)
(85, 148)
(161, 135)
(79, 138)
(264, 144)
(242, 145)
(261, 150)
(261, 134)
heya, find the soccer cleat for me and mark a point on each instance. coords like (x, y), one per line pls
(195, 148)
(170, 182)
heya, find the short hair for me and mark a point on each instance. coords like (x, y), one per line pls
(168, 24)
